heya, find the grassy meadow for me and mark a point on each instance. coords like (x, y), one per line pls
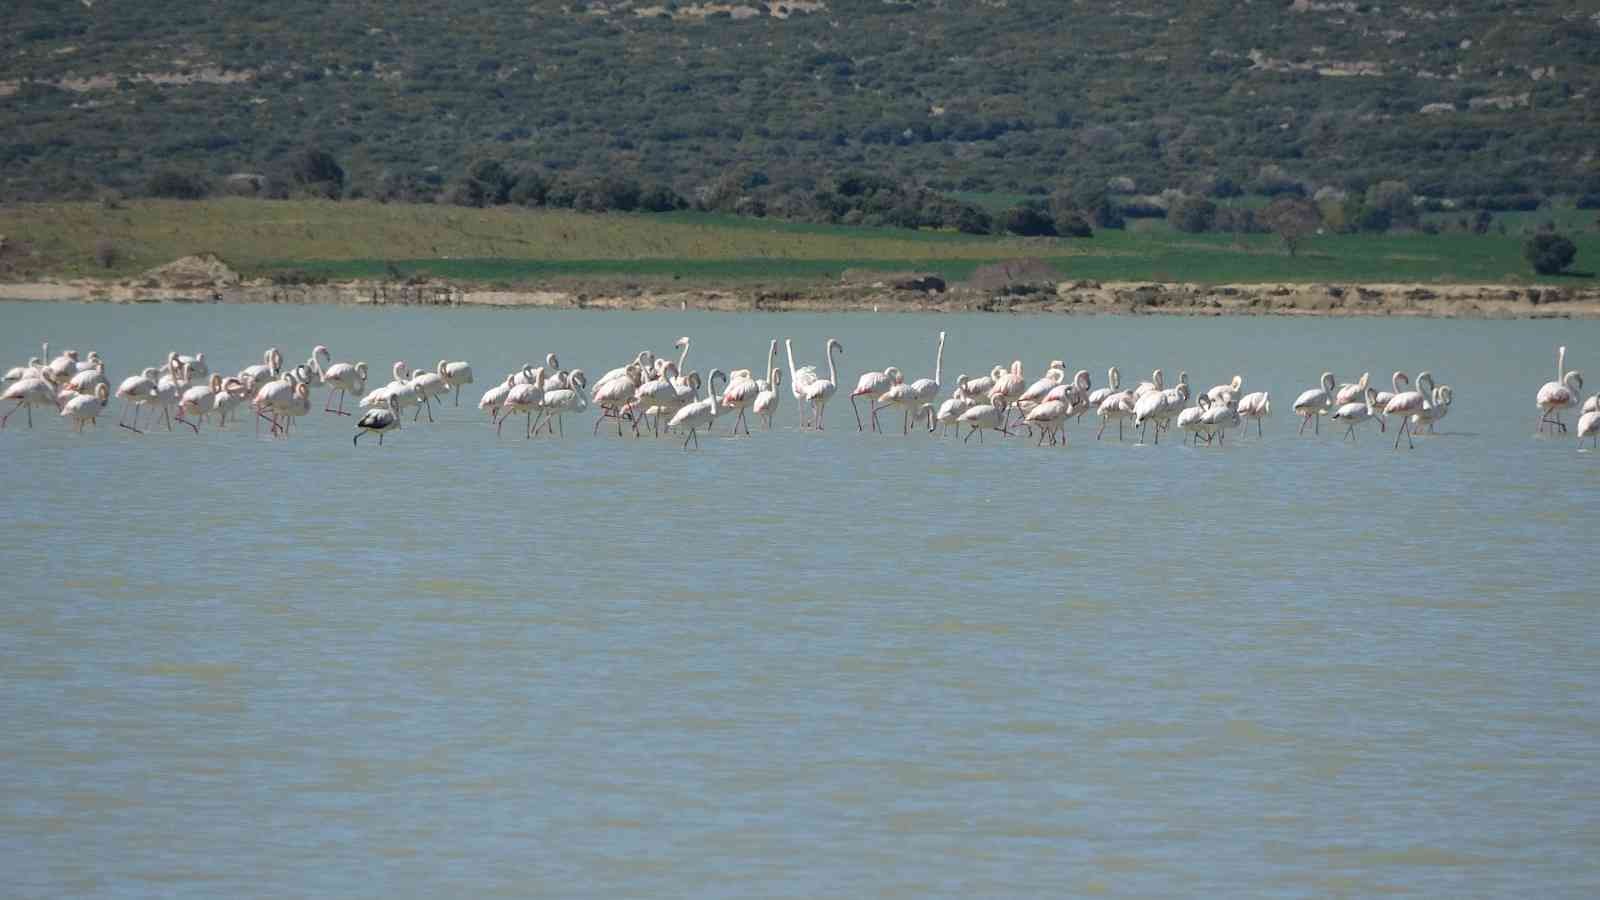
(512, 246)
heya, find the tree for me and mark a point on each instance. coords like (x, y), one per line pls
(1029, 222)
(1292, 219)
(1192, 214)
(1549, 253)
(1073, 224)
(315, 170)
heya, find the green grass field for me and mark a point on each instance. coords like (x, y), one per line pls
(512, 246)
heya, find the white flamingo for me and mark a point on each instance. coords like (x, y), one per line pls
(1191, 419)
(1226, 393)
(198, 400)
(766, 404)
(270, 367)
(699, 415)
(568, 399)
(615, 394)
(456, 375)
(1312, 405)
(1118, 406)
(983, 417)
(1589, 423)
(495, 397)
(87, 407)
(950, 411)
(1352, 393)
(1405, 404)
(819, 391)
(1558, 395)
(1256, 405)
(136, 392)
(872, 385)
(30, 392)
(233, 392)
(344, 379)
(1218, 419)
(523, 398)
(742, 391)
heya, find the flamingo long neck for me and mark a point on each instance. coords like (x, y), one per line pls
(833, 375)
(788, 347)
(772, 356)
(684, 355)
(1561, 360)
(938, 361)
(1113, 378)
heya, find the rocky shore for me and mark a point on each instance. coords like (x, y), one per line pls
(201, 280)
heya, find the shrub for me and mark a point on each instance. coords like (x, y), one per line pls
(1074, 225)
(1549, 253)
(172, 184)
(1192, 214)
(1029, 222)
(106, 254)
(317, 172)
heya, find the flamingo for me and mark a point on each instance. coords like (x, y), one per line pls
(1049, 416)
(1257, 405)
(378, 420)
(1192, 418)
(87, 379)
(17, 373)
(494, 397)
(63, 366)
(701, 414)
(168, 389)
(196, 364)
(1225, 393)
(1558, 395)
(1119, 406)
(270, 367)
(766, 404)
(456, 375)
(615, 394)
(226, 400)
(1145, 387)
(1218, 419)
(343, 379)
(136, 392)
(1315, 403)
(30, 392)
(1436, 409)
(742, 392)
(984, 417)
(950, 410)
(928, 388)
(428, 385)
(1098, 395)
(1352, 393)
(1353, 414)
(1406, 404)
(199, 399)
(658, 393)
(567, 399)
(1589, 423)
(983, 384)
(86, 407)
(819, 391)
(522, 398)
(873, 384)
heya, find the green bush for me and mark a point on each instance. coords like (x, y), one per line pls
(1549, 253)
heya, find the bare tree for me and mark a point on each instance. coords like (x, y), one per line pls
(1293, 219)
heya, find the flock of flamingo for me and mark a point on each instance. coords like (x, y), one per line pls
(660, 395)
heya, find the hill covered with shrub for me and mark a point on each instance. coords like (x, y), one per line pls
(761, 107)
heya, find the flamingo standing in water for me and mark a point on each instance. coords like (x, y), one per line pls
(701, 414)
(136, 392)
(1589, 423)
(766, 404)
(1405, 404)
(1353, 413)
(29, 392)
(86, 407)
(872, 385)
(455, 375)
(1312, 405)
(818, 391)
(1558, 395)
(379, 420)
(1257, 405)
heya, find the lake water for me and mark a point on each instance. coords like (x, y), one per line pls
(801, 664)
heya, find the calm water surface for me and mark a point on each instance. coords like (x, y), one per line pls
(799, 664)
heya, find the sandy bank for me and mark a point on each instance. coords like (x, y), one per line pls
(1084, 297)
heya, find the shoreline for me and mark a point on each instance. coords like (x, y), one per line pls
(1483, 301)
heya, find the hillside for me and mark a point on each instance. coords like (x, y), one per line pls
(1480, 97)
